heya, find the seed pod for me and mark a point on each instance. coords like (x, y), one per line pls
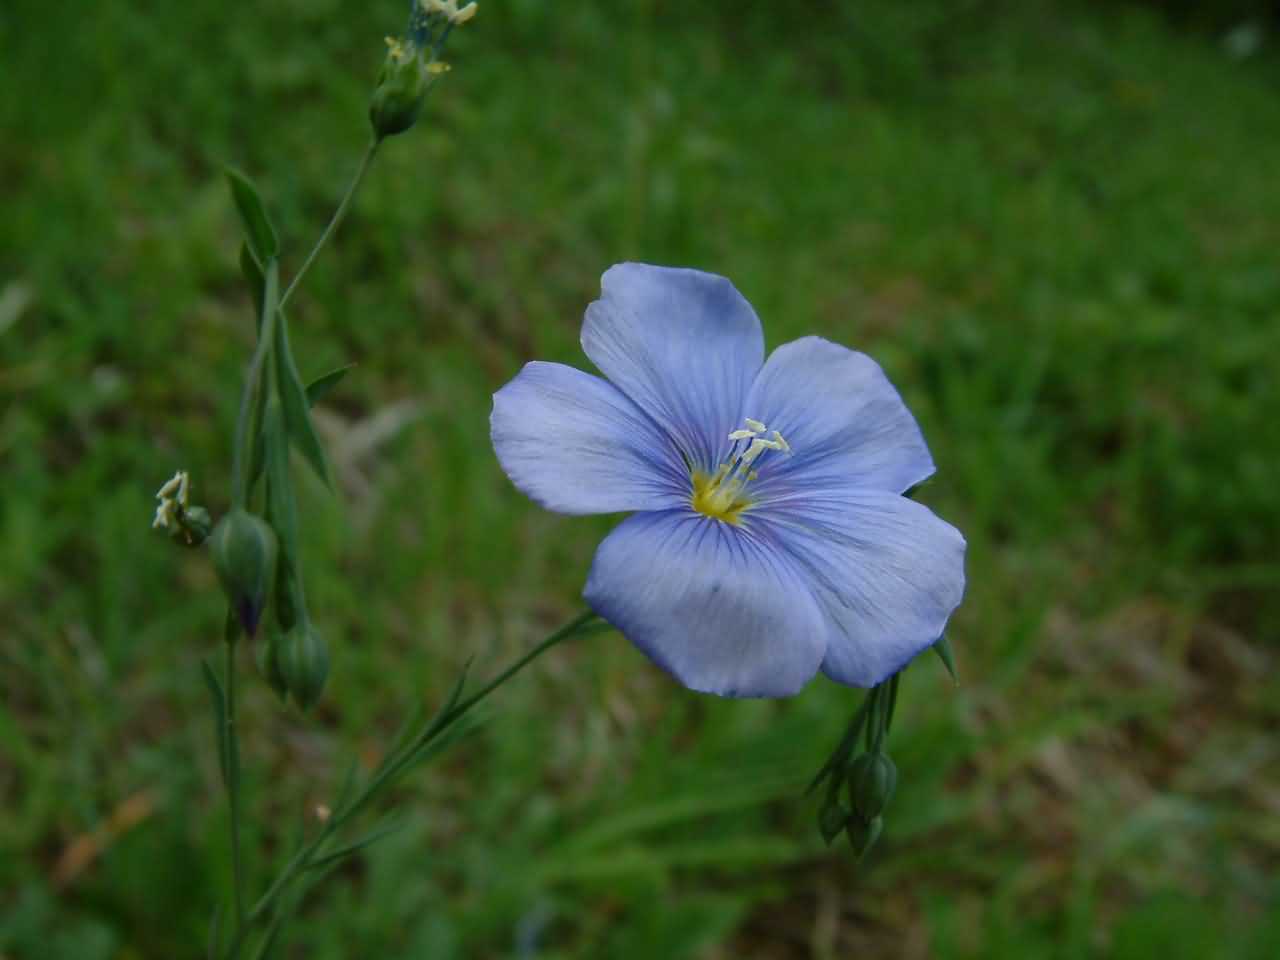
(195, 524)
(243, 548)
(872, 778)
(402, 83)
(304, 664)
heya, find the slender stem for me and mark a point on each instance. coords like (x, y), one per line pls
(335, 220)
(233, 781)
(247, 437)
(839, 758)
(568, 630)
(893, 701)
(393, 767)
(303, 858)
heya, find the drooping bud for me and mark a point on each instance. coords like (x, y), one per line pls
(863, 834)
(872, 778)
(244, 554)
(831, 820)
(304, 664)
(402, 84)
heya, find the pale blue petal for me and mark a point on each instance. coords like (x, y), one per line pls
(721, 610)
(886, 571)
(683, 344)
(576, 444)
(845, 422)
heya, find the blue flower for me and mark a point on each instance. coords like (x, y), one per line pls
(770, 538)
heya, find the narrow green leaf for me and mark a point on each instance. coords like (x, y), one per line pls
(219, 716)
(943, 649)
(256, 280)
(318, 388)
(259, 233)
(297, 409)
(439, 733)
(373, 836)
(456, 693)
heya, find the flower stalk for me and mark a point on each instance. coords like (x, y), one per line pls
(434, 736)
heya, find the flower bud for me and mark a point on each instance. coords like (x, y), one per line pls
(863, 834)
(244, 554)
(304, 664)
(872, 778)
(831, 820)
(402, 83)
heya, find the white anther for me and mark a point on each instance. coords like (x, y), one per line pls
(742, 435)
(756, 425)
(173, 498)
(166, 515)
(757, 447)
(781, 444)
(449, 8)
(171, 486)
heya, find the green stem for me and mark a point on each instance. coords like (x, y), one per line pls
(568, 630)
(839, 758)
(242, 458)
(301, 860)
(337, 218)
(233, 782)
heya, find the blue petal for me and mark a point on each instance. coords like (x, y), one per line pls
(845, 422)
(575, 444)
(886, 571)
(684, 345)
(721, 610)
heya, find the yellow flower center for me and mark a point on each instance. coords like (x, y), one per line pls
(723, 495)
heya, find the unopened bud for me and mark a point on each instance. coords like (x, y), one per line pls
(304, 664)
(831, 820)
(863, 834)
(872, 778)
(244, 554)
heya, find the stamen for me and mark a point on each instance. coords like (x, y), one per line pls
(723, 495)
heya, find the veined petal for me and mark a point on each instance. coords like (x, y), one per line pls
(576, 444)
(723, 611)
(845, 422)
(887, 573)
(683, 344)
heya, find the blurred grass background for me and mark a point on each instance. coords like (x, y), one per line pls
(1056, 225)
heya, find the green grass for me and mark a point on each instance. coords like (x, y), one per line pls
(1055, 225)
